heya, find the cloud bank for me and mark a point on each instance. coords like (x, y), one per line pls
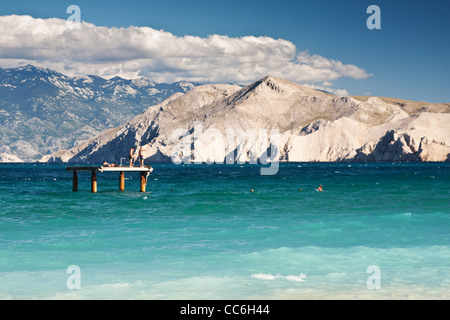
(157, 54)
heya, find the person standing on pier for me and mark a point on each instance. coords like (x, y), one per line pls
(141, 157)
(131, 156)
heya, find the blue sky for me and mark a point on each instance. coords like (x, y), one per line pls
(408, 58)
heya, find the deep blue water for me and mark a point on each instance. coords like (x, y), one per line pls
(200, 233)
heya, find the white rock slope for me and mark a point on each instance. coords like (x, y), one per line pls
(5, 157)
(312, 126)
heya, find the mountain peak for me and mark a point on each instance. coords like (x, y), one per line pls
(117, 78)
(31, 68)
(273, 83)
(281, 86)
(269, 78)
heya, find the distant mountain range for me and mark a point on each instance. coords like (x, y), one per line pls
(43, 111)
(312, 126)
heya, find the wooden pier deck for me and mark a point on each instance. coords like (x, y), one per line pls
(145, 171)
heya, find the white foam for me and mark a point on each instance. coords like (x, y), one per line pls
(265, 276)
(299, 278)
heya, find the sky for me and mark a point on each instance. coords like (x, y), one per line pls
(324, 44)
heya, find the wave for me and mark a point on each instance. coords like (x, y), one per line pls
(265, 276)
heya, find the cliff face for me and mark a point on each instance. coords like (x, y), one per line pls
(230, 123)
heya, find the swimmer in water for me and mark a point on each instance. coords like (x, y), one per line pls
(319, 188)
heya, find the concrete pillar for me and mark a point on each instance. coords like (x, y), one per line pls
(122, 181)
(75, 181)
(143, 181)
(94, 181)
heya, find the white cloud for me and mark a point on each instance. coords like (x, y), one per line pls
(160, 55)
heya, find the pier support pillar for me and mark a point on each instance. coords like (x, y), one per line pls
(75, 181)
(143, 181)
(122, 181)
(144, 171)
(94, 181)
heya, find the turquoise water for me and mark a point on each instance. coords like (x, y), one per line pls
(200, 233)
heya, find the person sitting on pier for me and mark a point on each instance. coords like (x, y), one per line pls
(106, 164)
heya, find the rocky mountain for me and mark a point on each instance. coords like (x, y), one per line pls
(308, 125)
(4, 157)
(42, 111)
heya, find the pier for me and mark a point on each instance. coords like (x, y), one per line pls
(144, 171)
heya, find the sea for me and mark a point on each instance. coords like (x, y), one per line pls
(200, 232)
